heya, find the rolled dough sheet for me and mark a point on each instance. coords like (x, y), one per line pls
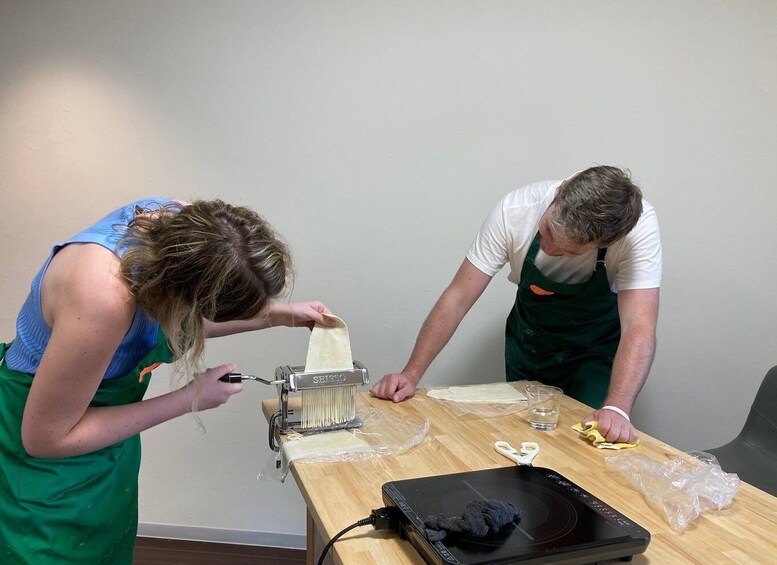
(327, 446)
(329, 348)
(495, 393)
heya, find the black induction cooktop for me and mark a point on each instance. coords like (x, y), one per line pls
(560, 522)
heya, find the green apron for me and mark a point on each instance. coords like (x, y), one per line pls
(563, 334)
(81, 509)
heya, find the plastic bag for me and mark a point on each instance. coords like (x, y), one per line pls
(381, 434)
(682, 488)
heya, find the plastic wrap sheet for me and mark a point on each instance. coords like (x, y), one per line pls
(482, 408)
(681, 488)
(382, 434)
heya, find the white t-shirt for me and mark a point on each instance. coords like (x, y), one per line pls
(633, 262)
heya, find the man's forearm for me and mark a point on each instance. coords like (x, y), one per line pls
(436, 331)
(630, 368)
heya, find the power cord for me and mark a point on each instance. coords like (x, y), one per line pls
(381, 519)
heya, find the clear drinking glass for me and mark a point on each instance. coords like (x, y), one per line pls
(544, 403)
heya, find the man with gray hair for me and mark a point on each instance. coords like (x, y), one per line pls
(585, 253)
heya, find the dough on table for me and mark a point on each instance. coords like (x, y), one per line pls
(495, 393)
(322, 444)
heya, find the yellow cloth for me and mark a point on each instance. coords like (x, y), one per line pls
(591, 433)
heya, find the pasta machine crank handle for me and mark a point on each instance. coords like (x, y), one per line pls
(238, 378)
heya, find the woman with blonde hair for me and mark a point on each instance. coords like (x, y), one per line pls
(145, 285)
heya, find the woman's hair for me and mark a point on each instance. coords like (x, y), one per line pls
(205, 260)
(599, 205)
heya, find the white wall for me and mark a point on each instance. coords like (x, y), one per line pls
(376, 136)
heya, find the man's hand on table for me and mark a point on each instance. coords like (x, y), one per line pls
(613, 426)
(396, 387)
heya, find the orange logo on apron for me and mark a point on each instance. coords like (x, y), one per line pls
(146, 371)
(540, 291)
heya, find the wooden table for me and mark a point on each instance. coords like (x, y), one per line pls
(339, 494)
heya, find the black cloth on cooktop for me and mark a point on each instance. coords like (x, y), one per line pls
(480, 518)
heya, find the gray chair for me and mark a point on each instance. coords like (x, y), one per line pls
(753, 453)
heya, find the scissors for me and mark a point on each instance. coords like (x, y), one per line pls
(529, 450)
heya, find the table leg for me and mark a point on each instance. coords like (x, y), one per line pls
(311, 539)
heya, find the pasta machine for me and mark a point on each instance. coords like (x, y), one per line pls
(328, 399)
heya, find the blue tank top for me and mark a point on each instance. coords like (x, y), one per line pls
(32, 332)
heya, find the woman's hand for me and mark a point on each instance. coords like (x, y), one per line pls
(212, 392)
(298, 314)
(293, 315)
